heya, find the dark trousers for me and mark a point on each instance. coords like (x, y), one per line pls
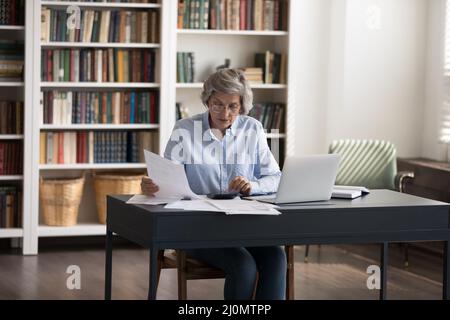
(241, 266)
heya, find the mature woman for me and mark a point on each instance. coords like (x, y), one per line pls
(223, 150)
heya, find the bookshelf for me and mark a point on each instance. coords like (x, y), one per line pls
(97, 5)
(12, 84)
(11, 136)
(11, 177)
(232, 32)
(199, 85)
(91, 166)
(99, 45)
(100, 127)
(81, 229)
(98, 85)
(12, 28)
(14, 33)
(122, 80)
(238, 45)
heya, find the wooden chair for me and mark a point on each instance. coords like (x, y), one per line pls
(192, 269)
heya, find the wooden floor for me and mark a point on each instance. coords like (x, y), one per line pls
(333, 272)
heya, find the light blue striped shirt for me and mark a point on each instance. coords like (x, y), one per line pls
(211, 164)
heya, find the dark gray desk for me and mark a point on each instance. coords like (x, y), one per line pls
(380, 217)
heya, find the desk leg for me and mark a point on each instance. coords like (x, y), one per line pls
(153, 274)
(290, 280)
(446, 283)
(383, 266)
(108, 265)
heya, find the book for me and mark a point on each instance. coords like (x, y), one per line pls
(349, 192)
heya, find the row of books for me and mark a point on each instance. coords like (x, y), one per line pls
(254, 75)
(273, 65)
(12, 12)
(63, 108)
(185, 67)
(10, 207)
(271, 115)
(11, 60)
(11, 157)
(11, 119)
(233, 14)
(101, 26)
(103, 65)
(112, 1)
(96, 146)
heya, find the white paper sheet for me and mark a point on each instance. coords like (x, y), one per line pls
(229, 207)
(170, 177)
(238, 206)
(271, 212)
(194, 205)
(143, 199)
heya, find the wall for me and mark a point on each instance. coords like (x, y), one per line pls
(361, 82)
(311, 46)
(431, 148)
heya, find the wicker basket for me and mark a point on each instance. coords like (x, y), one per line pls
(60, 200)
(114, 183)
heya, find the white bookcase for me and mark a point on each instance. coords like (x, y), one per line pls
(211, 47)
(18, 91)
(88, 224)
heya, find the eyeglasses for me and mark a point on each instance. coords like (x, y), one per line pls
(233, 108)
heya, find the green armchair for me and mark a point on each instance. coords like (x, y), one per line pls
(369, 163)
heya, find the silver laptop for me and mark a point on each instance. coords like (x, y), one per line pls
(305, 179)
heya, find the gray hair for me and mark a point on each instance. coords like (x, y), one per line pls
(229, 81)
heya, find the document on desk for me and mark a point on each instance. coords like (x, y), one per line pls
(238, 206)
(192, 205)
(143, 199)
(230, 207)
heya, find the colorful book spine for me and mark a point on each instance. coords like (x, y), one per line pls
(103, 65)
(70, 147)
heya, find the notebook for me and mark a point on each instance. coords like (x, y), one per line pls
(349, 192)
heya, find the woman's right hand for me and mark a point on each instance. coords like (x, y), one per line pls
(148, 187)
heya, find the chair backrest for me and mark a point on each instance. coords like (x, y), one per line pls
(369, 163)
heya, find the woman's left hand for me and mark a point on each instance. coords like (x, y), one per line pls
(240, 184)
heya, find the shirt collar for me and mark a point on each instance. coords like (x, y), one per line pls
(231, 130)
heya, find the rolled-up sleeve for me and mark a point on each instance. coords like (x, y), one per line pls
(267, 171)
